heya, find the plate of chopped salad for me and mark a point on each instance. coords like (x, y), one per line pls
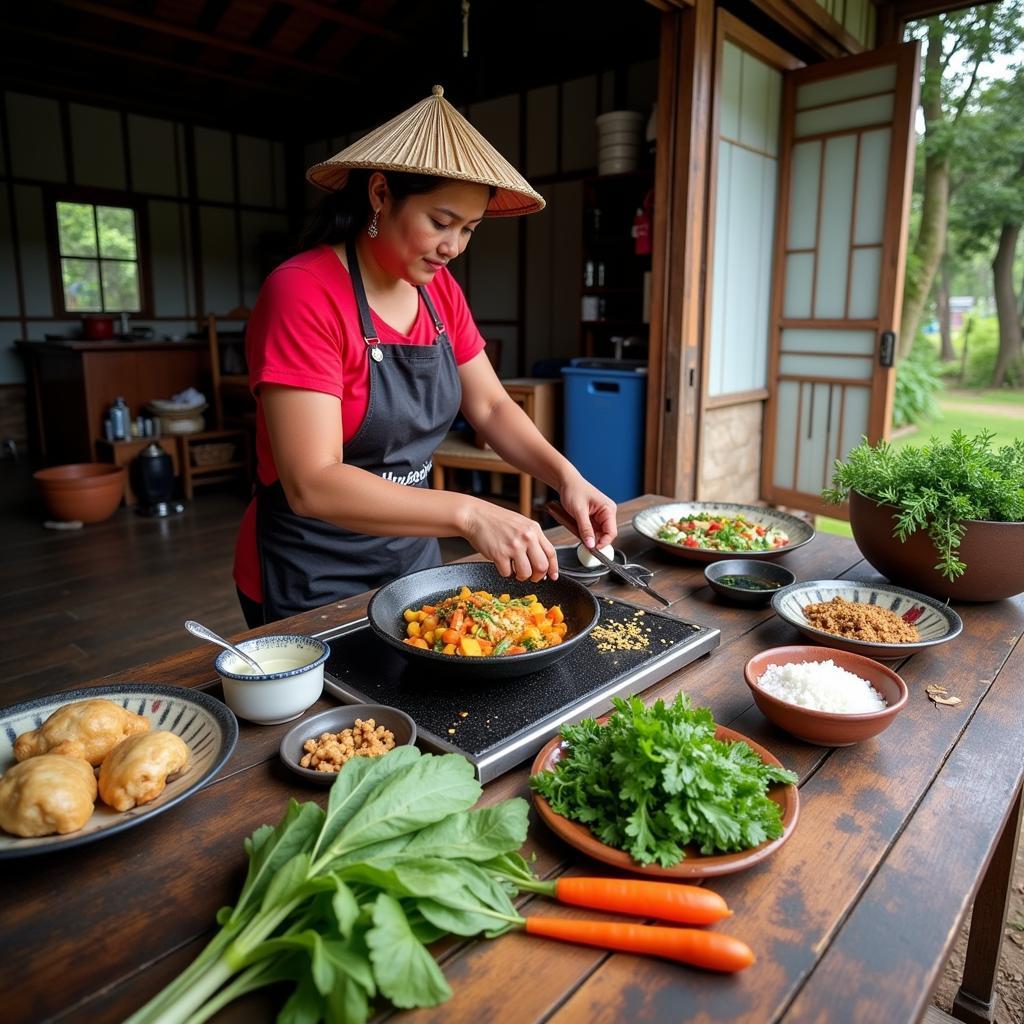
(707, 531)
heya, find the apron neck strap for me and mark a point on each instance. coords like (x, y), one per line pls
(365, 319)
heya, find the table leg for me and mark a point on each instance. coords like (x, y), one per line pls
(976, 999)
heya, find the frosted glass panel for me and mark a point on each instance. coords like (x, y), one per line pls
(803, 195)
(856, 408)
(834, 238)
(855, 114)
(785, 433)
(745, 203)
(729, 101)
(872, 177)
(843, 367)
(759, 108)
(851, 343)
(864, 282)
(813, 438)
(799, 277)
(846, 87)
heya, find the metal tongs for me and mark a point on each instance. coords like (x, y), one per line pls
(635, 575)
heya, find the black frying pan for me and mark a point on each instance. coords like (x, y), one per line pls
(429, 586)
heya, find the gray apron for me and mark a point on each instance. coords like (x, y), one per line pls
(414, 396)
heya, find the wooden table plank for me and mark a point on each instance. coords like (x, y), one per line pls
(908, 919)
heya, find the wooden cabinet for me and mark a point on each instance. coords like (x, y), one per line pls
(614, 276)
(72, 385)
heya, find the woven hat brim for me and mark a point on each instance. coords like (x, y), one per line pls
(433, 138)
(332, 175)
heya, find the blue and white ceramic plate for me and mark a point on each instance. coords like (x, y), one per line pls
(206, 725)
(651, 520)
(936, 623)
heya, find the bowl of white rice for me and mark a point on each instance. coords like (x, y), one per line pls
(824, 696)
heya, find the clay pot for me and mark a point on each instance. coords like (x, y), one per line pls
(87, 491)
(992, 552)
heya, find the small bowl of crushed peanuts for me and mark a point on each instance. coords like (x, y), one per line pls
(317, 748)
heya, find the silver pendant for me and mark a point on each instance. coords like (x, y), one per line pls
(376, 354)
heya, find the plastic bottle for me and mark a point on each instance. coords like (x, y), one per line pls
(120, 419)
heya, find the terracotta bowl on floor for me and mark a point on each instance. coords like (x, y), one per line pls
(827, 728)
(87, 491)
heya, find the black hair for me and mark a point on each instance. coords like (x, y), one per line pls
(341, 215)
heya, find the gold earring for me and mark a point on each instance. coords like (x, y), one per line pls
(373, 230)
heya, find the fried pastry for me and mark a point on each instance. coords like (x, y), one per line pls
(136, 770)
(89, 729)
(47, 794)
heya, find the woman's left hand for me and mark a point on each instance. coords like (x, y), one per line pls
(593, 511)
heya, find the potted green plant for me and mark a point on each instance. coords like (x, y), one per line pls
(945, 518)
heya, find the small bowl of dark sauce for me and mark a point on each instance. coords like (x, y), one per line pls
(746, 580)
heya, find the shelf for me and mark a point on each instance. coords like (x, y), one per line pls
(216, 467)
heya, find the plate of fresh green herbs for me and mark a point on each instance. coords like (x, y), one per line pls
(664, 791)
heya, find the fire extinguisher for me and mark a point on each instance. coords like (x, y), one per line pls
(642, 226)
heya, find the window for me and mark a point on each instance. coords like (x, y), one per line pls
(99, 258)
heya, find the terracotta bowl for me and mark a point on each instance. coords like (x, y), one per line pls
(992, 552)
(87, 491)
(827, 728)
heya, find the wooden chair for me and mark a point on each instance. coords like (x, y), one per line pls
(537, 397)
(212, 456)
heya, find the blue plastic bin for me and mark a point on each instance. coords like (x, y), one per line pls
(604, 423)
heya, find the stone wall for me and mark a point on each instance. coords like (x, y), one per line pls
(730, 468)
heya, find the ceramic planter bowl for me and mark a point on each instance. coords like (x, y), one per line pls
(87, 491)
(827, 728)
(992, 552)
(292, 682)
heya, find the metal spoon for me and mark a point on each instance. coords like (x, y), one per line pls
(201, 631)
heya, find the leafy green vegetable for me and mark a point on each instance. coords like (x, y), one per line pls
(342, 903)
(937, 486)
(654, 780)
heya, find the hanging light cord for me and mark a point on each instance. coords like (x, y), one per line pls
(465, 28)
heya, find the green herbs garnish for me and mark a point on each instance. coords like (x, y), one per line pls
(654, 780)
(935, 487)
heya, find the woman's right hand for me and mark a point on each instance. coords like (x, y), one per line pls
(515, 544)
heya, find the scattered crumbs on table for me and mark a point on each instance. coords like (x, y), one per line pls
(463, 714)
(616, 636)
(451, 732)
(638, 613)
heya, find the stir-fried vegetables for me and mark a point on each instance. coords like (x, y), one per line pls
(476, 624)
(722, 533)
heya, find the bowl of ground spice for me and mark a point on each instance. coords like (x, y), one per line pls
(878, 620)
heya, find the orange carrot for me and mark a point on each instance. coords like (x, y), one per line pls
(666, 901)
(711, 950)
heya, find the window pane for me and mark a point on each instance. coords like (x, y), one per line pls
(117, 232)
(120, 287)
(76, 228)
(81, 285)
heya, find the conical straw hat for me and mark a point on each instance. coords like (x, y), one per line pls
(433, 138)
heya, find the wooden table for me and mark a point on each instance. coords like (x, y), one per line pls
(852, 920)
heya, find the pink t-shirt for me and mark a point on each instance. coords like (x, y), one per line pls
(305, 333)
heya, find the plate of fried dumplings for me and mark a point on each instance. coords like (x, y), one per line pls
(83, 764)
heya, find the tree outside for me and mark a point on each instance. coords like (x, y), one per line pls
(98, 258)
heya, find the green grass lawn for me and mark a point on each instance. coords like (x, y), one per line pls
(958, 412)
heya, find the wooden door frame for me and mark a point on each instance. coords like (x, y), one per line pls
(684, 99)
(897, 205)
(728, 27)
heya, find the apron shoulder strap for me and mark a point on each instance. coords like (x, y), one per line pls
(425, 295)
(365, 320)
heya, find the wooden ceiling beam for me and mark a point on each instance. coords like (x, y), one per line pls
(349, 21)
(195, 36)
(79, 42)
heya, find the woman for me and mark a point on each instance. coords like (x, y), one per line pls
(361, 350)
